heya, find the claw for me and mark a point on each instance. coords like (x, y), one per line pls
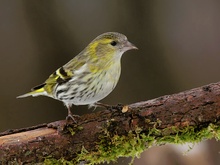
(71, 116)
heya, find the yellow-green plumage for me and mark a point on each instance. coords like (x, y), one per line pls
(90, 76)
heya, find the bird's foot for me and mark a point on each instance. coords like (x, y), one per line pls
(72, 117)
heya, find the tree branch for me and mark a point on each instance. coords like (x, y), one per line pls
(189, 116)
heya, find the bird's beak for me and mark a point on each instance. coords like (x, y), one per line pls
(128, 46)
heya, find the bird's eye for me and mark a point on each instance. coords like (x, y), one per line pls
(113, 43)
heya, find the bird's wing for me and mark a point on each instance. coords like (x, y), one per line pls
(59, 76)
(62, 75)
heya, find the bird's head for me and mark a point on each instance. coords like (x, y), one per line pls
(109, 45)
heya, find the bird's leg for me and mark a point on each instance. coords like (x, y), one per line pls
(70, 115)
(115, 109)
(98, 104)
(61, 125)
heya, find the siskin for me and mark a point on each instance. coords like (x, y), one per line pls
(88, 77)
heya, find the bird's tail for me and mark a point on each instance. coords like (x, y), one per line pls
(36, 91)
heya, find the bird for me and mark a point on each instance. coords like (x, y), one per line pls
(90, 76)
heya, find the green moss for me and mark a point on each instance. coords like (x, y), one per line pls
(112, 146)
(73, 130)
(52, 161)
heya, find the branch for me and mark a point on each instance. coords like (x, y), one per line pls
(123, 131)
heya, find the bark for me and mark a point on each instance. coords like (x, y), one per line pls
(62, 140)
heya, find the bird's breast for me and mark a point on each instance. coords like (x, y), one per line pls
(89, 87)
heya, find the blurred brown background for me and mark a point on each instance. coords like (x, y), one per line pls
(179, 49)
